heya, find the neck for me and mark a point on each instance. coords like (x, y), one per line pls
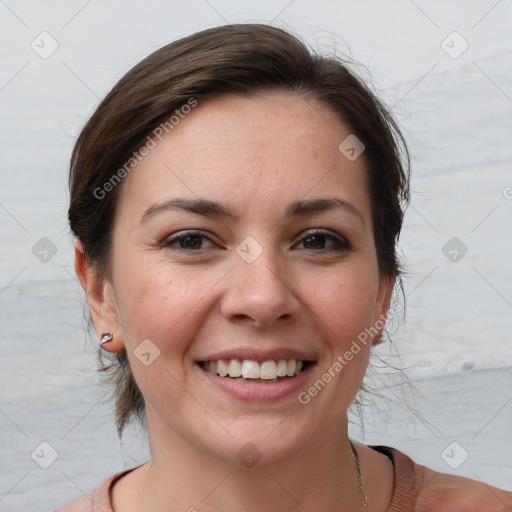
(320, 476)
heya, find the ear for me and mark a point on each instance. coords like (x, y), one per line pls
(100, 298)
(382, 305)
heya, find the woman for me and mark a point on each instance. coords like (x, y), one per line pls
(236, 202)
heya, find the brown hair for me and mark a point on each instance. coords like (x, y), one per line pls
(233, 59)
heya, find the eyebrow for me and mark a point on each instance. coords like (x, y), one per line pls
(210, 208)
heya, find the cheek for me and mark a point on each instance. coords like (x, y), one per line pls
(346, 301)
(155, 307)
(345, 310)
(160, 303)
(149, 299)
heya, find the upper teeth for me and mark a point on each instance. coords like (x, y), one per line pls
(249, 369)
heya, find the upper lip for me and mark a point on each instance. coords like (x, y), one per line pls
(258, 355)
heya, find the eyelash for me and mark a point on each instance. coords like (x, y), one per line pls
(341, 243)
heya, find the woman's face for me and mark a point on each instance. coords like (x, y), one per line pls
(259, 272)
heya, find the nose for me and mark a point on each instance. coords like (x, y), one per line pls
(258, 293)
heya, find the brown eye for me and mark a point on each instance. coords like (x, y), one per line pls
(191, 241)
(318, 240)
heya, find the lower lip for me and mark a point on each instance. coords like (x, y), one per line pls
(258, 392)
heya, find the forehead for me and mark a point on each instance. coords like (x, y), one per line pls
(262, 121)
(268, 148)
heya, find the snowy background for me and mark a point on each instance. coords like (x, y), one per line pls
(455, 107)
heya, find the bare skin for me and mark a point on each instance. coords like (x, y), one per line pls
(306, 291)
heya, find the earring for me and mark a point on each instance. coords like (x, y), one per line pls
(105, 338)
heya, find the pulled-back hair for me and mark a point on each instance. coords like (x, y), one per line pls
(245, 59)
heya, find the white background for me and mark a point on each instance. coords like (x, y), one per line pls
(456, 114)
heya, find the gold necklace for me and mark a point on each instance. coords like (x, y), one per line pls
(359, 475)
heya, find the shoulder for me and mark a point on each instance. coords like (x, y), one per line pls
(442, 492)
(97, 500)
(422, 489)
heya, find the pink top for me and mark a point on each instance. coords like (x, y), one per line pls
(416, 489)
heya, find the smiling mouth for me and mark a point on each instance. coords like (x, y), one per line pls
(253, 372)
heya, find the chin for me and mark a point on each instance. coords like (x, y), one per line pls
(256, 443)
